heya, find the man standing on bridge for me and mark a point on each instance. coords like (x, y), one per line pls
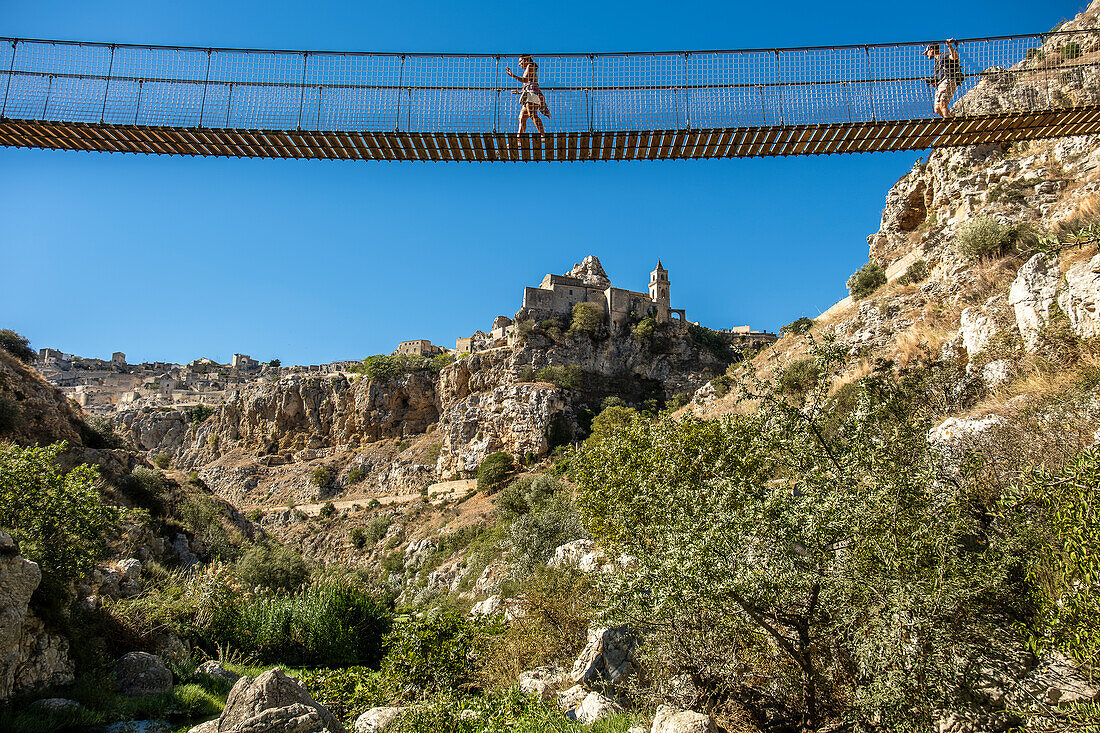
(947, 75)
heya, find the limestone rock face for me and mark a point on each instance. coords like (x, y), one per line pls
(30, 656)
(274, 703)
(44, 414)
(591, 272)
(1080, 300)
(594, 707)
(1031, 296)
(671, 720)
(607, 658)
(140, 673)
(976, 330)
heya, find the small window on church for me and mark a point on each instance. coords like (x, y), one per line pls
(570, 292)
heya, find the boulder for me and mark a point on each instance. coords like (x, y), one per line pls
(376, 720)
(607, 658)
(1080, 300)
(593, 707)
(1056, 681)
(210, 726)
(141, 673)
(976, 330)
(55, 705)
(1032, 294)
(30, 657)
(571, 698)
(996, 373)
(215, 669)
(274, 703)
(488, 607)
(671, 720)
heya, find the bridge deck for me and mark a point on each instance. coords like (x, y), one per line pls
(619, 106)
(745, 142)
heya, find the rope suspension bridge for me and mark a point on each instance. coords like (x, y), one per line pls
(618, 106)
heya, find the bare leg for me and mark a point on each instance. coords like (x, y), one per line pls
(522, 121)
(538, 123)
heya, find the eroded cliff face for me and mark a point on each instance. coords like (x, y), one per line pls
(266, 437)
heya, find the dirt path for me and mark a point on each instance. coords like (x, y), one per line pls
(441, 491)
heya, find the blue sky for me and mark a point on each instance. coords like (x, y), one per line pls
(311, 261)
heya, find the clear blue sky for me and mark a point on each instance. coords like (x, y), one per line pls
(310, 261)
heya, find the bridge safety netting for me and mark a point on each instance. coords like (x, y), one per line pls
(298, 90)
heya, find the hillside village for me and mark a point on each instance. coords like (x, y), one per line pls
(103, 387)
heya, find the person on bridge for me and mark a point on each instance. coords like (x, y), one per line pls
(532, 103)
(946, 75)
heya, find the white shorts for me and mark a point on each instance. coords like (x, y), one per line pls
(944, 91)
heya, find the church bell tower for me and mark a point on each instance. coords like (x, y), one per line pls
(658, 292)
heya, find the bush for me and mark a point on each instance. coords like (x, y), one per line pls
(1071, 50)
(866, 280)
(348, 692)
(434, 652)
(199, 413)
(711, 341)
(566, 377)
(328, 510)
(376, 529)
(16, 345)
(799, 377)
(611, 419)
(677, 401)
(145, 488)
(162, 460)
(797, 327)
(1035, 53)
(645, 329)
(275, 363)
(493, 471)
(527, 494)
(915, 273)
(527, 374)
(11, 415)
(587, 320)
(321, 476)
(356, 474)
(986, 236)
(101, 433)
(330, 622)
(58, 520)
(274, 568)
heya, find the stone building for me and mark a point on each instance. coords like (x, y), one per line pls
(118, 358)
(244, 362)
(419, 347)
(588, 283)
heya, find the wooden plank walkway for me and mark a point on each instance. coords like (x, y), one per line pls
(740, 142)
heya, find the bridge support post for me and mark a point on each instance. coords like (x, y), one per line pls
(11, 71)
(870, 82)
(205, 81)
(107, 86)
(302, 90)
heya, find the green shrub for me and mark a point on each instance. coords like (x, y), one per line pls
(358, 538)
(145, 488)
(866, 280)
(645, 329)
(275, 363)
(356, 474)
(587, 320)
(611, 419)
(199, 413)
(524, 328)
(986, 236)
(321, 476)
(431, 453)
(16, 345)
(389, 366)
(799, 377)
(566, 377)
(376, 528)
(722, 385)
(58, 520)
(527, 494)
(1071, 50)
(11, 415)
(348, 692)
(527, 374)
(493, 471)
(915, 273)
(711, 341)
(434, 652)
(162, 460)
(272, 567)
(1035, 53)
(328, 510)
(101, 433)
(677, 401)
(797, 327)
(330, 622)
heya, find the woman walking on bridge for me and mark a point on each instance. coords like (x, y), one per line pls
(532, 103)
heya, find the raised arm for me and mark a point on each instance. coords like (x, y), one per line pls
(951, 49)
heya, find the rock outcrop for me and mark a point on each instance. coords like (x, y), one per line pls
(671, 720)
(141, 673)
(273, 703)
(31, 658)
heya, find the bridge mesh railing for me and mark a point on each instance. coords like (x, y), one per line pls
(287, 90)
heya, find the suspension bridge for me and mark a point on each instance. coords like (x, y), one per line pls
(617, 106)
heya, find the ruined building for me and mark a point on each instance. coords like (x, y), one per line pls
(588, 283)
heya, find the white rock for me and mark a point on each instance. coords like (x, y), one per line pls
(572, 697)
(539, 688)
(671, 720)
(1080, 300)
(377, 720)
(488, 607)
(1031, 296)
(55, 705)
(996, 373)
(956, 429)
(976, 329)
(607, 658)
(594, 707)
